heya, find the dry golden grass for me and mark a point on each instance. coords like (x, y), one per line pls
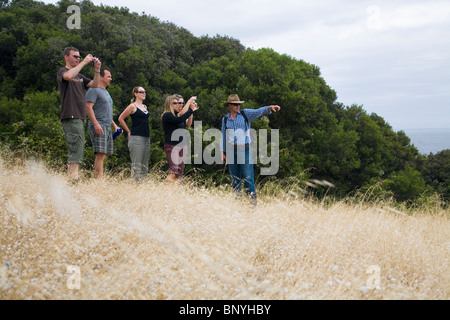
(152, 241)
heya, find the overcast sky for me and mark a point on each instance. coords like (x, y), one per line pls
(392, 57)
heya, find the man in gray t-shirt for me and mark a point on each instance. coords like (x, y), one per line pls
(99, 108)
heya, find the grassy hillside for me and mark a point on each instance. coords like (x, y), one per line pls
(152, 241)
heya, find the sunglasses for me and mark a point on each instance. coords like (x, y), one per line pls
(76, 57)
(140, 92)
(177, 102)
(235, 104)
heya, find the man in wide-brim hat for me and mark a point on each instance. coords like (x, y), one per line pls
(235, 146)
(233, 99)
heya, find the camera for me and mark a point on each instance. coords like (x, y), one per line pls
(95, 59)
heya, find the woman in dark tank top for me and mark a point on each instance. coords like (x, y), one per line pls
(138, 135)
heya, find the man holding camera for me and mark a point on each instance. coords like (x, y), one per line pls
(72, 88)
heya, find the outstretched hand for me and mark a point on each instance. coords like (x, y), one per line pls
(274, 108)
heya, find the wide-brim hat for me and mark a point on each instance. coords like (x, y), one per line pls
(233, 98)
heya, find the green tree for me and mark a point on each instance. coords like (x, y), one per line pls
(406, 184)
(436, 172)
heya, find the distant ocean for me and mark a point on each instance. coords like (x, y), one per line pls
(429, 140)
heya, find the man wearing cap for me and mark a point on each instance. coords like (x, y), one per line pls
(235, 146)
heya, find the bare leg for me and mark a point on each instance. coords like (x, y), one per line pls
(98, 165)
(171, 178)
(72, 170)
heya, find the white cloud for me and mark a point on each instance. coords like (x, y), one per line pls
(416, 15)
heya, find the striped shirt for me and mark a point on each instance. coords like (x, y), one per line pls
(237, 131)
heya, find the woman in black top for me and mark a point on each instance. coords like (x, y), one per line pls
(139, 135)
(175, 117)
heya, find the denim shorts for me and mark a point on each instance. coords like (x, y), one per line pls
(75, 136)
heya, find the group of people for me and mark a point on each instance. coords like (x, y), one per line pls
(82, 97)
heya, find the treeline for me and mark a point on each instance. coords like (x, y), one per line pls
(320, 138)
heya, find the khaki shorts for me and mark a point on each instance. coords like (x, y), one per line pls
(75, 136)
